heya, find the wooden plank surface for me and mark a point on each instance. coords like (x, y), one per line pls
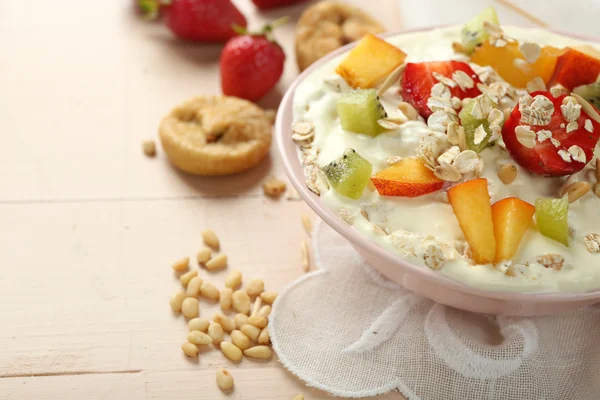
(90, 226)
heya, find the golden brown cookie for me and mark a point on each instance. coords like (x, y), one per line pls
(327, 26)
(216, 135)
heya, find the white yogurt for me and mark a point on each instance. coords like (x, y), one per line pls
(414, 219)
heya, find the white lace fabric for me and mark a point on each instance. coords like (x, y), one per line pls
(347, 330)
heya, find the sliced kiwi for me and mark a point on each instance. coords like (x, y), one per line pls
(359, 111)
(470, 124)
(349, 174)
(590, 92)
(473, 33)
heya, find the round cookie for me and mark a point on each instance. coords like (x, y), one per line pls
(216, 135)
(327, 26)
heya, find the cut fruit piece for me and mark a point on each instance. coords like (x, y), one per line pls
(471, 204)
(418, 79)
(349, 174)
(553, 148)
(474, 141)
(359, 112)
(575, 68)
(590, 92)
(512, 218)
(371, 61)
(407, 178)
(551, 216)
(511, 65)
(473, 33)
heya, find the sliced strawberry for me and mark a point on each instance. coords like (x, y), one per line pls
(418, 80)
(544, 158)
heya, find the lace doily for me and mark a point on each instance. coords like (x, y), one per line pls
(347, 330)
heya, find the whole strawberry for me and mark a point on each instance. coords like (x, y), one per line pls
(203, 20)
(252, 64)
(268, 4)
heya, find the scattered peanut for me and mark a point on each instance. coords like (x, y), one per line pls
(307, 224)
(203, 255)
(577, 190)
(209, 290)
(241, 301)
(256, 306)
(177, 301)
(216, 263)
(225, 298)
(234, 279)
(240, 340)
(215, 331)
(301, 396)
(268, 297)
(240, 320)
(264, 337)
(255, 287)
(211, 239)
(225, 379)
(262, 352)
(181, 265)
(251, 331)
(226, 323)
(190, 349)
(274, 187)
(264, 312)
(507, 173)
(149, 147)
(193, 288)
(198, 324)
(231, 351)
(259, 322)
(197, 337)
(187, 277)
(190, 307)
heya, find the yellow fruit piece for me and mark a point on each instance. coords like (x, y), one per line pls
(471, 204)
(511, 65)
(369, 62)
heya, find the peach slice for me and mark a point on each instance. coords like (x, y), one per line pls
(512, 217)
(370, 62)
(471, 204)
(407, 178)
(511, 65)
(575, 68)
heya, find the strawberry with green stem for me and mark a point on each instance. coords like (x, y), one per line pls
(252, 63)
(197, 20)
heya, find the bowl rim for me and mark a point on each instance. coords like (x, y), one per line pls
(282, 135)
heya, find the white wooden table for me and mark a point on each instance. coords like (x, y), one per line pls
(89, 226)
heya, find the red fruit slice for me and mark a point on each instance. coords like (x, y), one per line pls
(544, 158)
(575, 68)
(418, 80)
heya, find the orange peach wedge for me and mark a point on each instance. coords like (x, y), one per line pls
(575, 68)
(371, 61)
(512, 217)
(407, 178)
(471, 204)
(511, 65)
